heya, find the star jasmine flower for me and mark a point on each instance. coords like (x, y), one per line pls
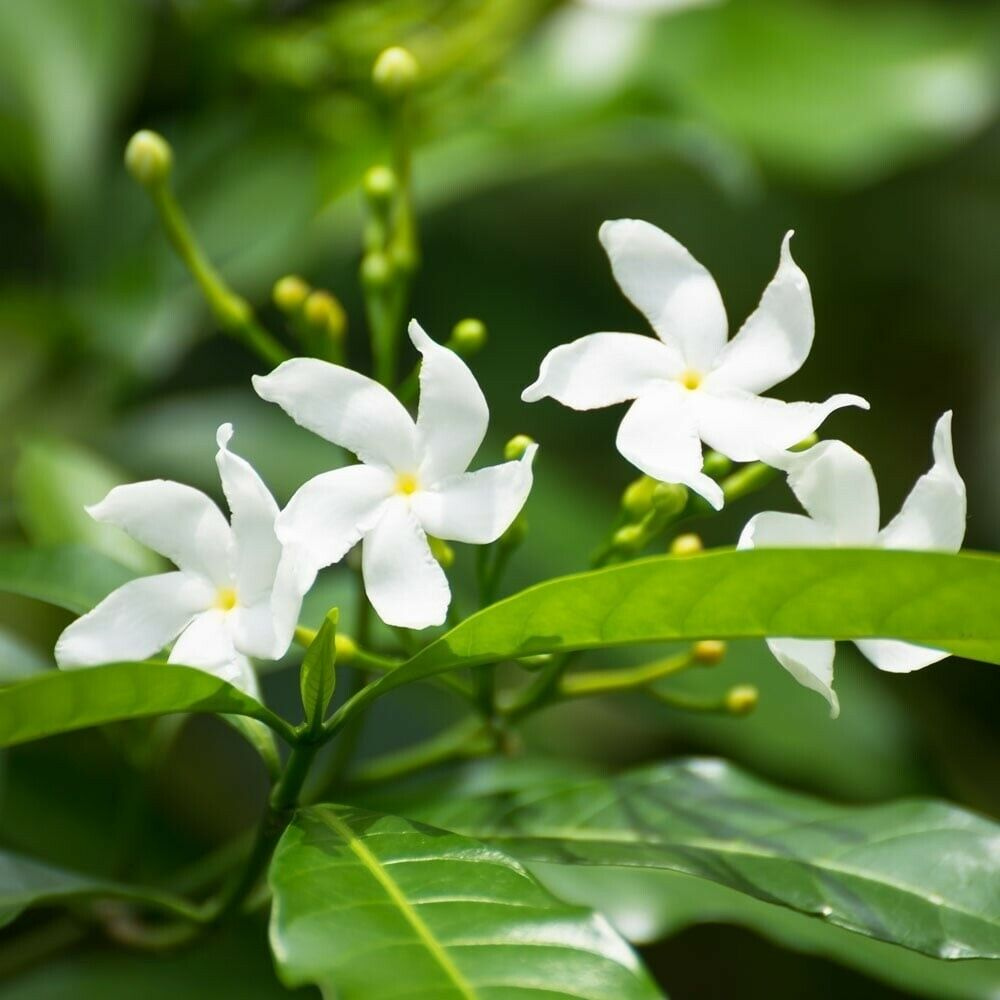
(411, 481)
(691, 385)
(837, 488)
(233, 594)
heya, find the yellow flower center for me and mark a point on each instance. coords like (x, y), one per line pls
(406, 483)
(691, 379)
(225, 599)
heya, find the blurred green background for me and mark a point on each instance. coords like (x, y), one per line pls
(869, 127)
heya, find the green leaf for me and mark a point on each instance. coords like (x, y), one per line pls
(917, 873)
(947, 601)
(369, 906)
(25, 882)
(65, 700)
(71, 576)
(317, 676)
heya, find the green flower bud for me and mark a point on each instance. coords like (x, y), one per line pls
(380, 186)
(516, 447)
(669, 498)
(742, 700)
(376, 270)
(716, 466)
(686, 545)
(346, 647)
(630, 538)
(289, 293)
(442, 551)
(806, 443)
(637, 500)
(395, 72)
(148, 158)
(468, 337)
(323, 310)
(708, 652)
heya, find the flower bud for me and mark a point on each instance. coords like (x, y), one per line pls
(376, 270)
(708, 652)
(323, 310)
(516, 447)
(441, 551)
(289, 293)
(637, 500)
(806, 443)
(669, 498)
(380, 186)
(630, 538)
(468, 337)
(346, 647)
(742, 700)
(395, 71)
(686, 545)
(148, 158)
(716, 465)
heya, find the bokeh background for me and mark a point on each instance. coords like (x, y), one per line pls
(868, 126)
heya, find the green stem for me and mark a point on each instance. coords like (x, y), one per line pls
(598, 682)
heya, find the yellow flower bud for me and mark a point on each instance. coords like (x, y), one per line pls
(468, 337)
(708, 652)
(637, 500)
(376, 270)
(289, 293)
(516, 447)
(669, 498)
(323, 310)
(442, 551)
(396, 71)
(148, 158)
(686, 545)
(629, 538)
(380, 186)
(742, 700)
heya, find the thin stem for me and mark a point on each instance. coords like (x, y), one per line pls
(598, 682)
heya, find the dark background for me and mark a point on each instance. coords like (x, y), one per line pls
(870, 128)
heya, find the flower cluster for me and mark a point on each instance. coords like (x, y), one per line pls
(239, 585)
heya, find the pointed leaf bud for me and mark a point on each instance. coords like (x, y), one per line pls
(148, 158)
(637, 500)
(516, 447)
(317, 676)
(289, 293)
(708, 652)
(669, 498)
(686, 545)
(742, 700)
(396, 71)
(468, 337)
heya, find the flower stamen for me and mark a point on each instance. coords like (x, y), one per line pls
(407, 484)
(225, 599)
(691, 379)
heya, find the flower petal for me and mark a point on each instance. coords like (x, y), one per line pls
(328, 515)
(208, 644)
(177, 521)
(748, 428)
(776, 339)
(676, 294)
(347, 408)
(452, 416)
(933, 515)
(476, 507)
(810, 662)
(603, 369)
(773, 530)
(404, 582)
(257, 549)
(658, 436)
(135, 621)
(897, 657)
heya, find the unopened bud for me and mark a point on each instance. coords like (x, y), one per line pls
(806, 443)
(516, 447)
(289, 293)
(629, 538)
(380, 186)
(148, 158)
(742, 700)
(686, 545)
(324, 310)
(708, 652)
(376, 270)
(669, 498)
(442, 551)
(468, 337)
(396, 71)
(637, 500)
(345, 646)
(716, 465)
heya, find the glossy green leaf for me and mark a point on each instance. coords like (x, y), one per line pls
(317, 676)
(65, 700)
(369, 907)
(947, 601)
(917, 873)
(71, 576)
(25, 882)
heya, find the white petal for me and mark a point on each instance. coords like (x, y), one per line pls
(329, 514)
(837, 487)
(453, 416)
(207, 643)
(257, 549)
(771, 530)
(658, 436)
(286, 603)
(933, 515)
(676, 294)
(810, 662)
(404, 582)
(899, 657)
(177, 521)
(135, 621)
(776, 339)
(349, 409)
(603, 369)
(253, 632)
(748, 428)
(476, 507)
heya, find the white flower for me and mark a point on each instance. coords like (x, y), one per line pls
(232, 596)
(411, 483)
(837, 487)
(690, 385)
